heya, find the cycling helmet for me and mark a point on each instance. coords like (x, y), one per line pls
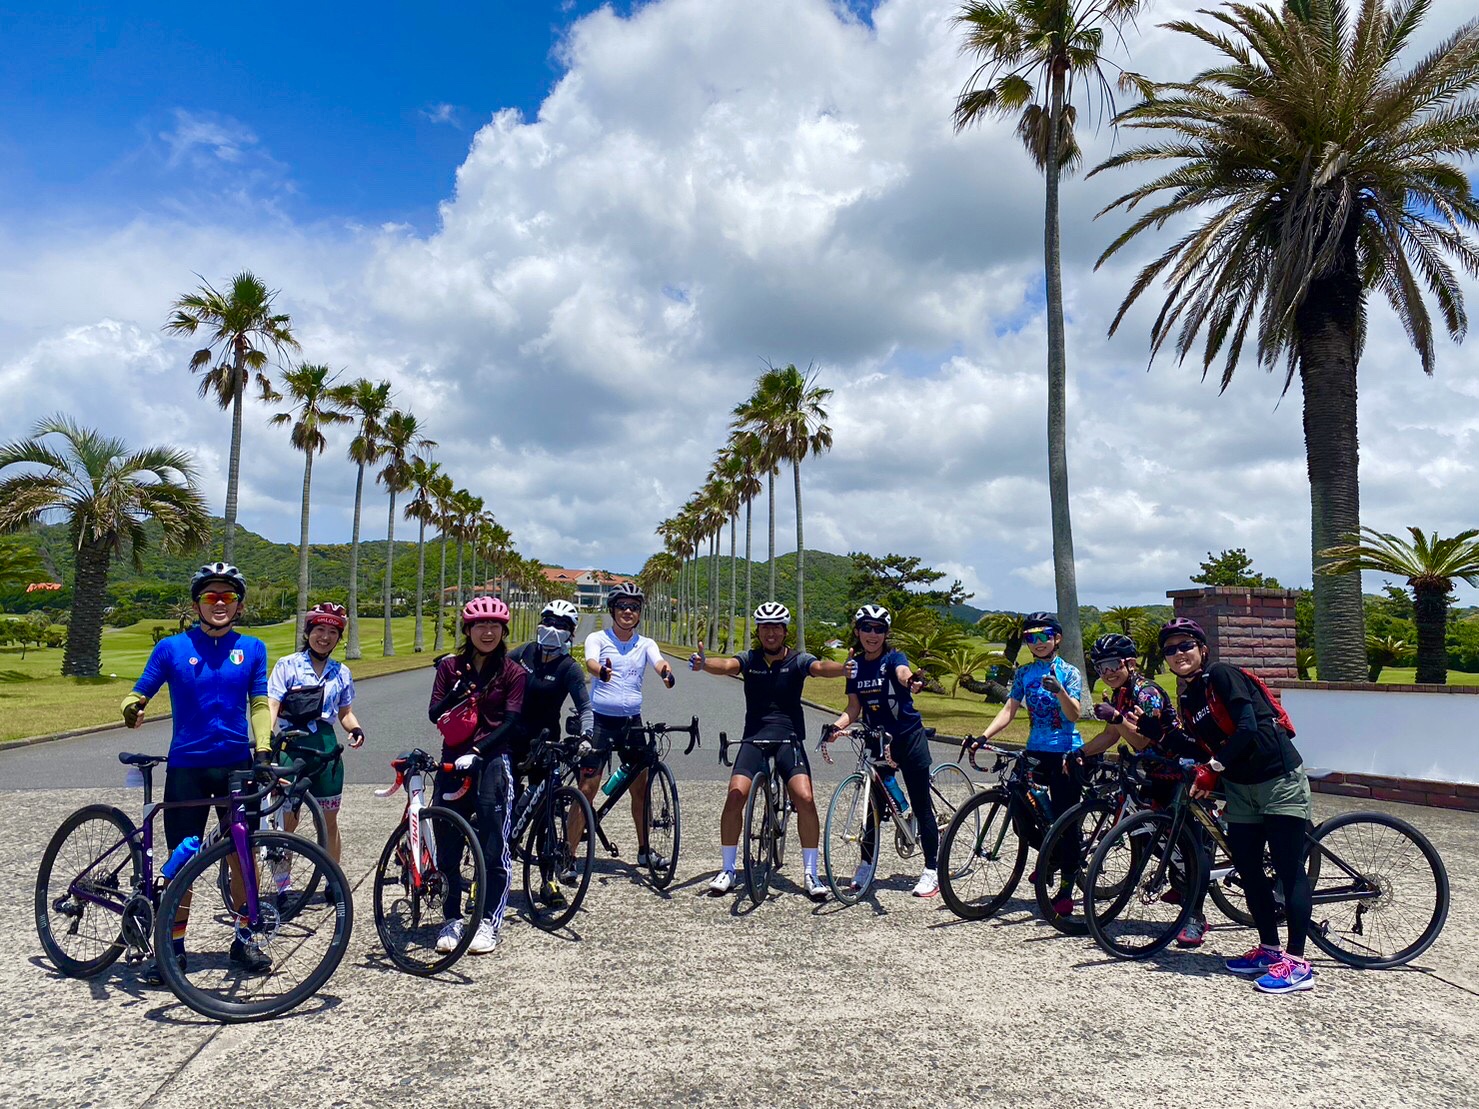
(562, 610)
(1181, 626)
(329, 614)
(1041, 621)
(873, 612)
(773, 612)
(217, 571)
(623, 591)
(1112, 646)
(484, 608)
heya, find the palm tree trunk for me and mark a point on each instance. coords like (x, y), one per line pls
(233, 469)
(441, 598)
(733, 580)
(713, 591)
(1430, 614)
(351, 646)
(749, 575)
(800, 563)
(459, 602)
(83, 657)
(770, 478)
(420, 644)
(303, 551)
(1065, 576)
(1327, 323)
(388, 648)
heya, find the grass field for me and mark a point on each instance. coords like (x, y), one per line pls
(36, 700)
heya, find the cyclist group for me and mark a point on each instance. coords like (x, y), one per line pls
(489, 702)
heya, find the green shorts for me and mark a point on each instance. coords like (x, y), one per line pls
(327, 785)
(1286, 795)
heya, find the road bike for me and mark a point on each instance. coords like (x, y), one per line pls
(545, 836)
(862, 802)
(98, 897)
(431, 871)
(768, 812)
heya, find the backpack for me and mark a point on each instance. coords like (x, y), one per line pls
(1224, 718)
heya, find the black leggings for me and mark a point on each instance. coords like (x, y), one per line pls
(1285, 838)
(912, 753)
(492, 805)
(1064, 791)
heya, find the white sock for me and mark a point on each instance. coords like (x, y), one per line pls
(730, 854)
(809, 860)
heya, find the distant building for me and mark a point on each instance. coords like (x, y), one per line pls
(591, 586)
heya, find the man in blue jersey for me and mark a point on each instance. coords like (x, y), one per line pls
(217, 681)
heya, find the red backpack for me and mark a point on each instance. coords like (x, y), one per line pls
(1224, 718)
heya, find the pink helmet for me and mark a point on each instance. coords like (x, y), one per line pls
(484, 608)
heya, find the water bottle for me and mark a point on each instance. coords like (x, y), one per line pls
(181, 855)
(617, 780)
(896, 791)
(1043, 802)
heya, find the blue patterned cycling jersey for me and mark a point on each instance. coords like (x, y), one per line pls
(1050, 729)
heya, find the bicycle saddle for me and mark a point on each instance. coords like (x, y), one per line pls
(142, 761)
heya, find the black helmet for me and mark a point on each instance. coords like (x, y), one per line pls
(1041, 621)
(1112, 646)
(1181, 626)
(217, 571)
(623, 591)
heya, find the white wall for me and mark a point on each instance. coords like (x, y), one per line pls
(1402, 735)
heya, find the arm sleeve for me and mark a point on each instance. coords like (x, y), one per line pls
(441, 686)
(580, 696)
(486, 743)
(516, 676)
(261, 717)
(1233, 690)
(156, 671)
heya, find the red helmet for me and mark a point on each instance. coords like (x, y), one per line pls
(484, 608)
(327, 613)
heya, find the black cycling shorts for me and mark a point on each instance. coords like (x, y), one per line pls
(790, 758)
(621, 734)
(195, 783)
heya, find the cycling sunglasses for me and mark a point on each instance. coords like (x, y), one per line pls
(871, 627)
(626, 607)
(1170, 650)
(1111, 667)
(227, 598)
(1038, 637)
(558, 622)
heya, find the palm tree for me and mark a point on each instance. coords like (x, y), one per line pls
(368, 401)
(465, 508)
(106, 493)
(788, 416)
(1123, 616)
(762, 457)
(1430, 566)
(729, 475)
(238, 323)
(1331, 173)
(745, 446)
(1382, 652)
(1005, 628)
(961, 663)
(1031, 51)
(316, 404)
(400, 447)
(442, 493)
(422, 508)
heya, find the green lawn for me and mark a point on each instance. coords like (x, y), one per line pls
(36, 700)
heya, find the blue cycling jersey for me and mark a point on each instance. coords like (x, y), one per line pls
(211, 683)
(1050, 729)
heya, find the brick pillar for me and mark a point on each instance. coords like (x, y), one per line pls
(1251, 628)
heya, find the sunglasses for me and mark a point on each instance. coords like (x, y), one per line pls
(1035, 638)
(872, 628)
(627, 608)
(1171, 650)
(557, 622)
(227, 598)
(1111, 667)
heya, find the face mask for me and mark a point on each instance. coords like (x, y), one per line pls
(552, 639)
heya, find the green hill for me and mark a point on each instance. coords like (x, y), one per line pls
(826, 583)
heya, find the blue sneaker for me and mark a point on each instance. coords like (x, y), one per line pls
(1288, 975)
(1255, 961)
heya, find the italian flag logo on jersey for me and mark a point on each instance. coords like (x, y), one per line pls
(238, 656)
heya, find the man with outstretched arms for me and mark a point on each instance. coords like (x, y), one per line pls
(217, 681)
(618, 657)
(774, 676)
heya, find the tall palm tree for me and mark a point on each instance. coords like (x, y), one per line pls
(762, 456)
(714, 509)
(106, 493)
(315, 405)
(788, 416)
(1430, 566)
(729, 473)
(422, 507)
(442, 492)
(368, 402)
(1031, 53)
(1326, 172)
(465, 508)
(401, 446)
(745, 445)
(239, 323)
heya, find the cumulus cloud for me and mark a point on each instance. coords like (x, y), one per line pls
(709, 186)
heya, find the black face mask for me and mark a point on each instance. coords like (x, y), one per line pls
(321, 658)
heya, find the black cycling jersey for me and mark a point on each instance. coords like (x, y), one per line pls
(1259, 749)
(773, 694)
(547, 685)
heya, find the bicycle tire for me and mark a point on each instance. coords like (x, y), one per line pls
(950, 788)
(847, 823)
(286, 937)
(1137, 878)
(1091, 820)
(973, 880)
(663, 821)
(1339, 942)
(759, 838)
(547, 852)
(311, 815)
(395, 880)
(113, 826)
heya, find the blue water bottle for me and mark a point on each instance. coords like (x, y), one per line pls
(896, 791)
(617, 780)
(181, 855)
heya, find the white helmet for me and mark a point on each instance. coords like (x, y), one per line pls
(873, 612)
(562, 609)
(773, 612)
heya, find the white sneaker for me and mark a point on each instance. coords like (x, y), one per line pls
(449, 937)
(724, 881)
(816, 889)
(928, 884)
(862, 876)
(486, 939)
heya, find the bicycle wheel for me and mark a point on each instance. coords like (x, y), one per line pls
(982, 856)
(950, 788)
(411, 909)
(553, 895)
(91, 856)
(1090, 821)
(1380, 890)
(759, 838)
(662, 824)
(295, 889)
(1134, 870)
(843, 840)
(238, 971)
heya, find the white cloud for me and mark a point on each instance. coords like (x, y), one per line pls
(440, 113)
(712, 184)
